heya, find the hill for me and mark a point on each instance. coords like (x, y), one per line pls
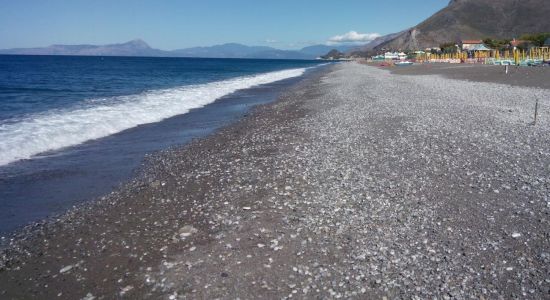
(475, 19)
(318, 50)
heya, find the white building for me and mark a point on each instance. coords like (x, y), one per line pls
(391, 55)
(395, 56)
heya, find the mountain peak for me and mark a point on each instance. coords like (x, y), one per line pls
(138, 43)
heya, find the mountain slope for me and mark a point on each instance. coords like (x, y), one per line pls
(475, 19)
(374, 43)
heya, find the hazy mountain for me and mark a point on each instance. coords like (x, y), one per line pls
(140, 48)
(475, 19)
(131, 48)
(241, 51)
(281, 54)
(231, 50)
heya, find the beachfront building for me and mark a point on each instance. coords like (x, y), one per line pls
(478, 53)
(480, 48)
(469, 45)
(395, 56)
(432, 50)
(391, 55)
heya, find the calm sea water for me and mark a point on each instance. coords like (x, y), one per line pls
(73, 128)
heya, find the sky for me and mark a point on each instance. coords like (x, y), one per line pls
(171, 24)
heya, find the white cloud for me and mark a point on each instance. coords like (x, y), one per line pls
(353, 37)
(271, 41)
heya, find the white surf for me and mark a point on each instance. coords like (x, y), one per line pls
(57, 129)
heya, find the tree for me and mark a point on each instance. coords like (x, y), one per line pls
(449, 47)
(537, 39)
(497, 44)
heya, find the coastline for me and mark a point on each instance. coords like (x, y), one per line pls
(355, 183)
(68, 227)
(30, 190)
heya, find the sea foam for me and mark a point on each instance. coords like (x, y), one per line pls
(58, 129)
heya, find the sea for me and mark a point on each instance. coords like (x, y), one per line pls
(74, 128)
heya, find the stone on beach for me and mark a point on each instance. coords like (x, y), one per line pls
(187, 231)
(516, 235)
(66, 269)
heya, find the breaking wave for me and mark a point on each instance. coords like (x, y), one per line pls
(58, 129)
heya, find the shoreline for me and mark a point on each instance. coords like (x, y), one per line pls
(30, 188)
(355, 183)
(20, 241)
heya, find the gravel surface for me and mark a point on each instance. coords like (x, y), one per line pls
(517, 76)
(357, 183)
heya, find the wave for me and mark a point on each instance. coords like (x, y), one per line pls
(58, 129)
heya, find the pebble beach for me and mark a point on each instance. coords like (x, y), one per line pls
(359, 182)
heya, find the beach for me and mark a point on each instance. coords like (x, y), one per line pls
(358, 182)
(517, 76)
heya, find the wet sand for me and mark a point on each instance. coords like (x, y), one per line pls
(356, 183)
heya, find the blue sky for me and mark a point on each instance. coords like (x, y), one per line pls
(174, 24)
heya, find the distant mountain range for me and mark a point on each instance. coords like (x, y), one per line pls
(474, 19)
(140, 48)
(460, 20)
